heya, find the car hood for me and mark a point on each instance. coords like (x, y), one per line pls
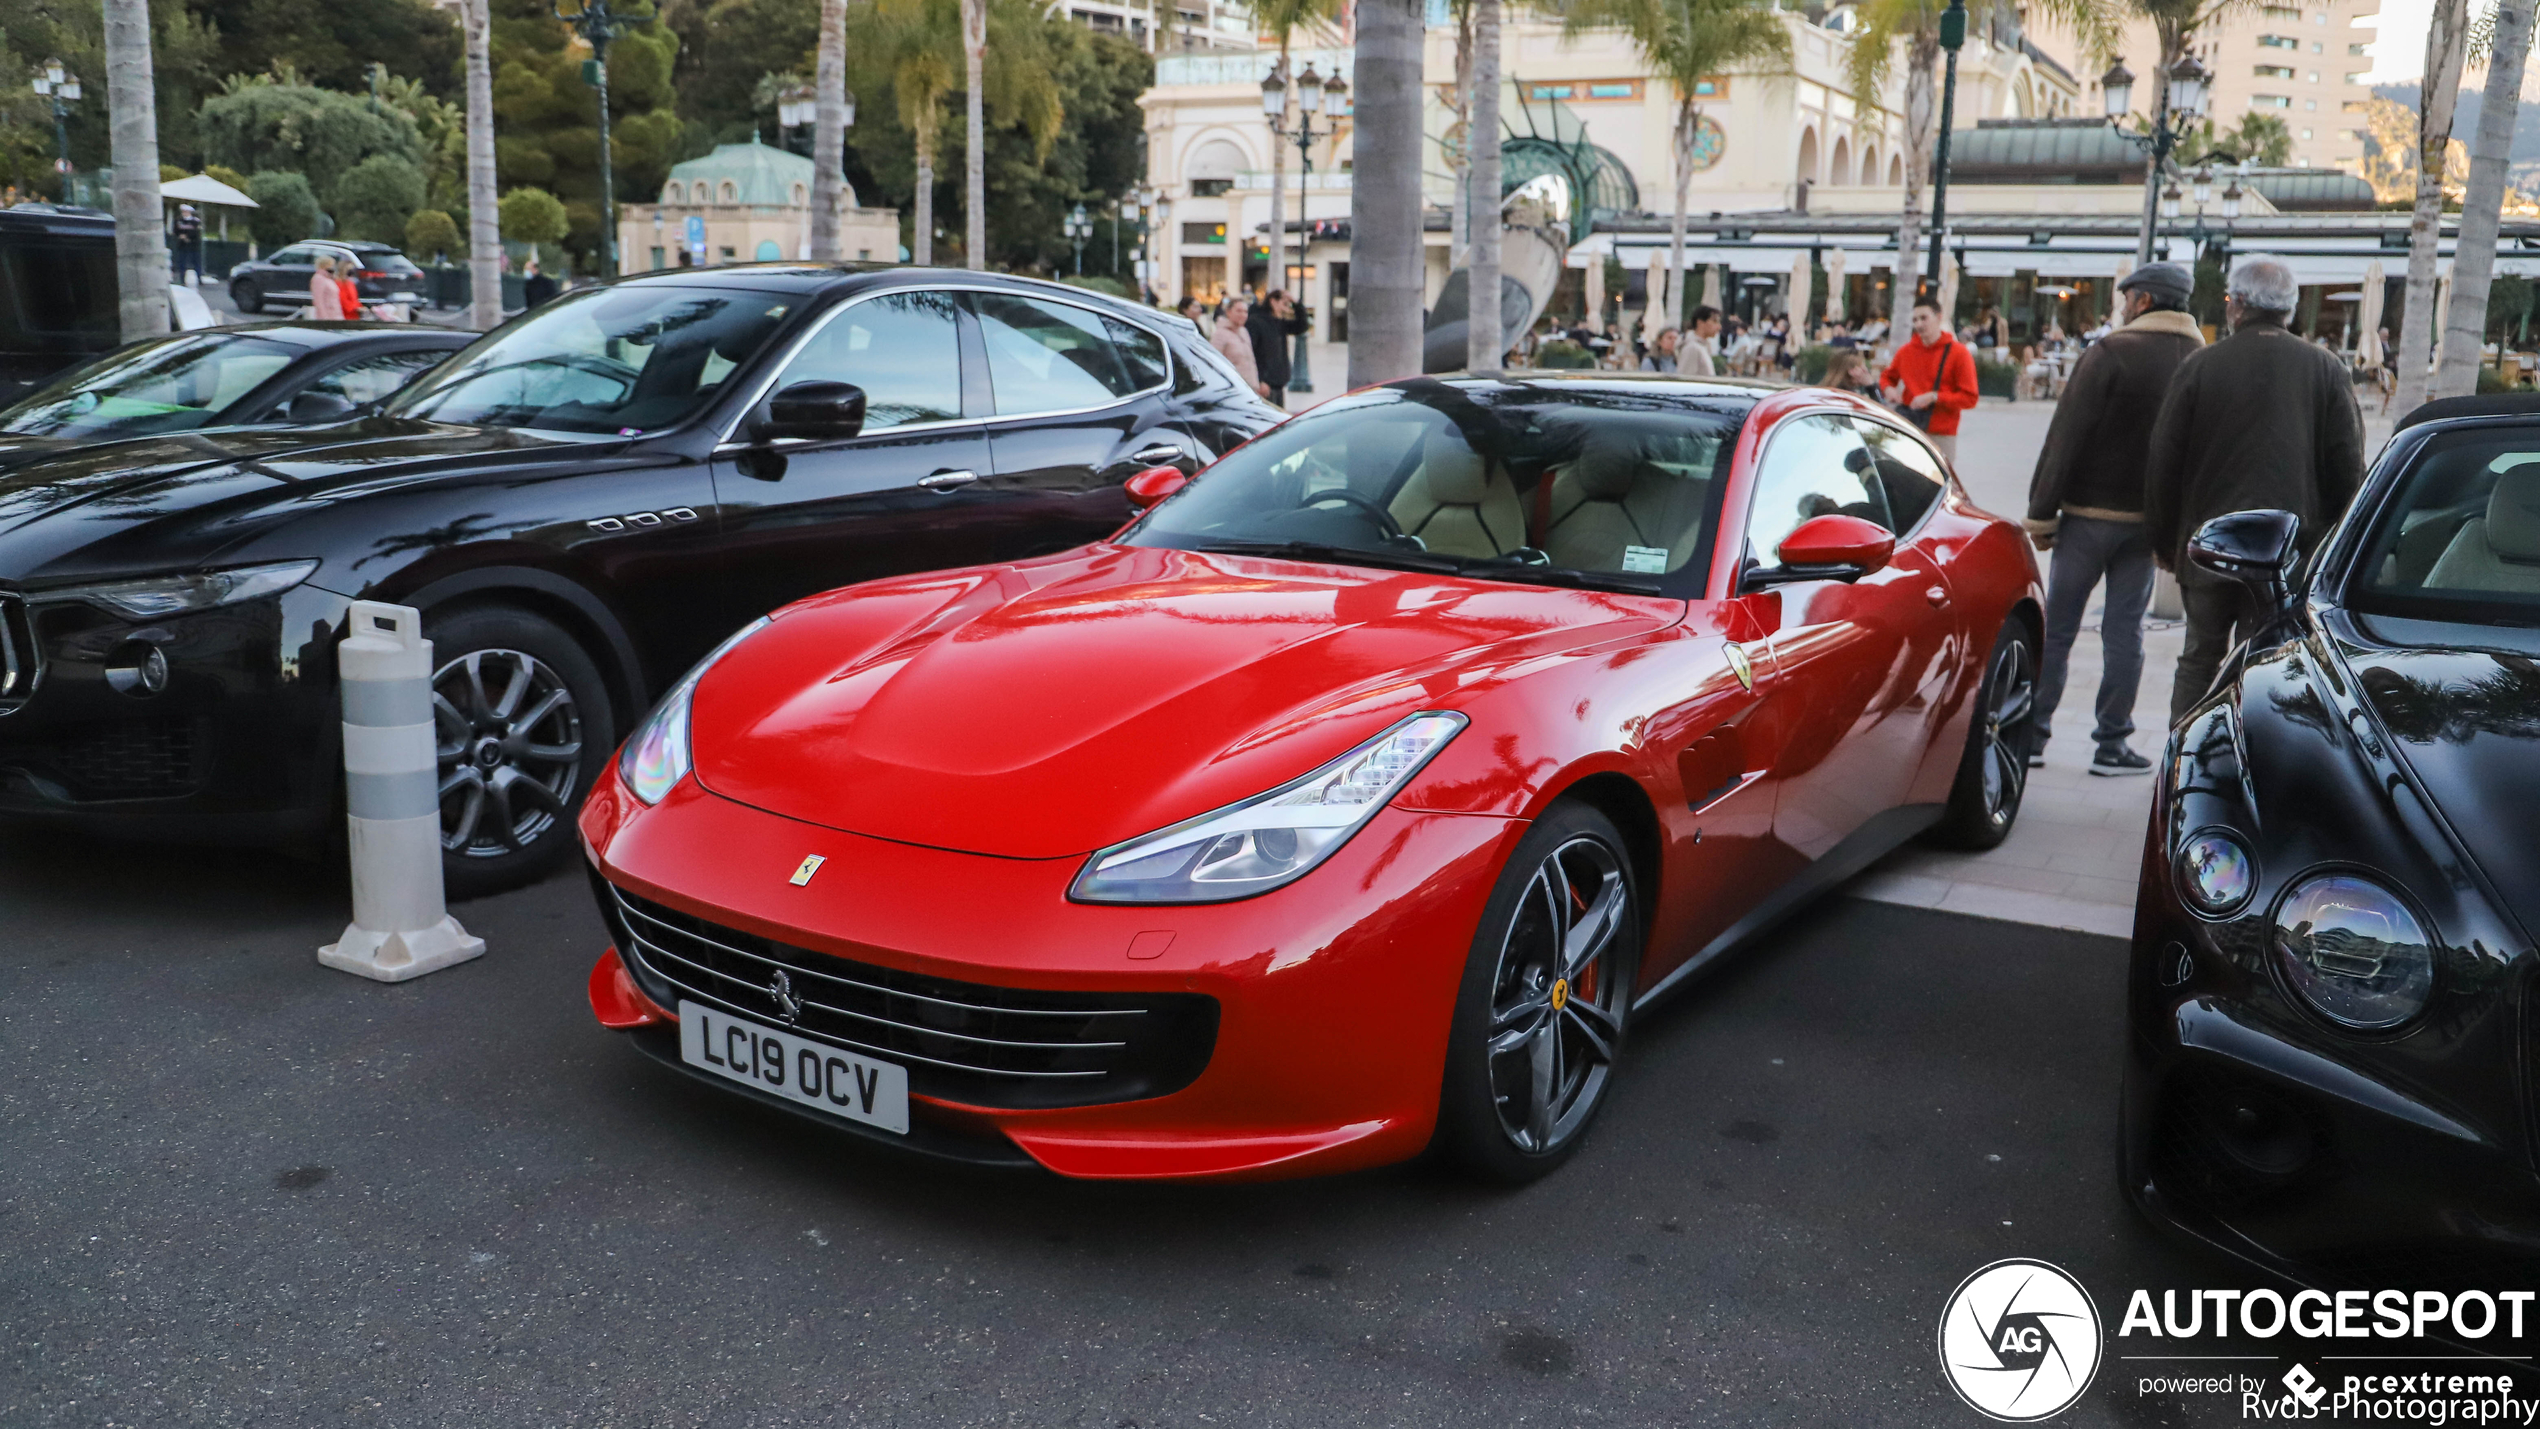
(2467, 724)
(1049, 709)
(161, 502)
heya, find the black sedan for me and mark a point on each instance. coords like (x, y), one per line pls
(582, 504)
(260, 374)
(2330, 1065)
(379, 272)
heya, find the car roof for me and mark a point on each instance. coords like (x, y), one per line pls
(806, 277)
(1639, 384)
(2495, 404)
(59, 220)
(314, 335)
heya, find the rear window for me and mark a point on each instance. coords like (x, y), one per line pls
(57, 290)
(2459, 539)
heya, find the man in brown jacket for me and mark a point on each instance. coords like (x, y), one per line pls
(2085, 503)
(2259, 420)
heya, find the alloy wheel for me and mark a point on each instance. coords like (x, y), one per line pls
(1556, 996)
(2010, 692)
(508, 737)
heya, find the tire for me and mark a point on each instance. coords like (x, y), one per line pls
(245, 297)
(1984, 800)
(1569, 1020)
(523, 725)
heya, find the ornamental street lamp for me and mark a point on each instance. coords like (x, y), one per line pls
(1331, 98)
(1078, 228)
(2181, 105)
(61, 87)
(598, 24)
(1953, 36)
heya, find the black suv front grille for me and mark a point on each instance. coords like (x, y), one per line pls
(973, 1043)
(124, 759)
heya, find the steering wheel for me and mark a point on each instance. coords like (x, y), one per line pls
(1385, 523)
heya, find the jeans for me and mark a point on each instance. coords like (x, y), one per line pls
(2087, 551)
(2219, 616)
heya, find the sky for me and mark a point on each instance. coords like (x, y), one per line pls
(2399, 56)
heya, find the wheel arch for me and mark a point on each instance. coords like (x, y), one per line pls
(571, 605)
(1621, 799)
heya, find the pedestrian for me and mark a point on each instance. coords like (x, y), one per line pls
(2260, 420)
(189, 241)
(1190, 308)
(1662, 353)
(1849, 371)
(2085, 504)
(1271, 326)
(351, 291)
(1235, 344)
(535, 287)
(326, 300)
(1932, 378)
(1694, 357)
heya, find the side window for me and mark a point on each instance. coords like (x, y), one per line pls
(294, 256)
(1141, 351)
(1909, 471)
(1049, 357)
(903, 349)
(374, 378)
(1813, 466)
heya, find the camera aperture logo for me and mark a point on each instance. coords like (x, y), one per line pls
(2020, 1340)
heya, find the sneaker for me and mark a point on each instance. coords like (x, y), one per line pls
(2118, 762)
(2037, 757)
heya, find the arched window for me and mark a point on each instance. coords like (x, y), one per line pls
(768, 252)
(1869, 163)
(1895, 171)
(1212, 167)
(802, 197)
(1841, 172)
(1808, 155)
(729, 193)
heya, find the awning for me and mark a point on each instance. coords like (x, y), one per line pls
(203, 188)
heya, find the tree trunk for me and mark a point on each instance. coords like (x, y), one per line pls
(1459, 160)
(1485, 346)
(829, 130)
(923, 224)
(1277, 275)
(1922, 54)
(1688, 129)
(1386, 273)
(974, 57)
(2474, 257)
(141, 245)
(2445, 45)
(484, 219)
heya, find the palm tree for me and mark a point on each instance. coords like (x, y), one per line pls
(974, 59)
(1386, 275)
(141, 249)
(2446, 49)
(1484, 345)
(1916, 24)
(909, 34)
(484, 217)
(917, 40)
(2508, 42)
(1686, 42)
(1282, 18)
(829, 128)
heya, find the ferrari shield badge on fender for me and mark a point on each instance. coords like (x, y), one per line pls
(809, 866)
(1737, 661)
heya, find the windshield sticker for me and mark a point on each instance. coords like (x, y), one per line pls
(1644, 560)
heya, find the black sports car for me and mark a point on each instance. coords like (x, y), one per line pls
(2330, 1069)
(259, 374)
(583, 503)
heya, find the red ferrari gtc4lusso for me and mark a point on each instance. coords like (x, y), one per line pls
(1353, 800)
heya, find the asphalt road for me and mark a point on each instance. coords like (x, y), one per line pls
(239, 1188)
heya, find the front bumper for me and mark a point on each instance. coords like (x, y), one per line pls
(1332, 996)
(240, 743)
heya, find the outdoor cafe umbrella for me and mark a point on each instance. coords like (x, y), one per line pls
(204, 189)
(1948, 289)
(1834, 285)
(2368, 320)
(1797, 305)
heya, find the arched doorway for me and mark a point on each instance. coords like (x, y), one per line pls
(1808, 155)
(1841, 170)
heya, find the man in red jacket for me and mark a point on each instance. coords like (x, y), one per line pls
(1933, 377)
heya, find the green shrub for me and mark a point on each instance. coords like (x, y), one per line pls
(432, 236)
(2491, 382)
(533, 216)
(286, 210)
(1811, 363)
(375, 198)
(1995, 379)
(1564, 354)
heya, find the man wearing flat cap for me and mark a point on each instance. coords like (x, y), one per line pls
(2086, 502)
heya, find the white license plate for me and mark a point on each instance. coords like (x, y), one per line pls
(795, 1068)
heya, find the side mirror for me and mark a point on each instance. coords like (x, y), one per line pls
(2255, 548)
(815, 411)
(311, 408)
(1828, 548)
(1153, 485)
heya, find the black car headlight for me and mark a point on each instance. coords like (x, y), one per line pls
(2215, 871)
(184, 592)
(2354, 951)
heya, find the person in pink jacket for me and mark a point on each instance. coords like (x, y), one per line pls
(326, 298)
(1235, 345)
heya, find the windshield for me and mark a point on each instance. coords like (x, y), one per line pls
(170, 386)
(2459, 539)
(624, 360)
(1561, 483)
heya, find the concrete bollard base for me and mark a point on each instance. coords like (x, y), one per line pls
(395, 957)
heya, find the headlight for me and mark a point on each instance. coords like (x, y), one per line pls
(2215, 872)
(2354, 951)
(1270, 839)
(656, 756)
(157, 596)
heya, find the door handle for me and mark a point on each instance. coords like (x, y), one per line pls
(1159, 455)
(947, 480)
(1938, 596)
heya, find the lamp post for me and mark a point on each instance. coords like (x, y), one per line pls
(598, 24)
(1331, 98)
(1953, 37)
(1078, 228)
(2181, 103)
(61, 87)
(1143, 199)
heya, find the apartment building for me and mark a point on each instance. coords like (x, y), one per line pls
(1166, 27)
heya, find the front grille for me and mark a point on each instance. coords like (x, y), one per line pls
(127, 759)
(967, 1042)
(19, 660)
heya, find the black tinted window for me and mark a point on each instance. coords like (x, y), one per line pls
(2459, 538)
(903, 349)
(1909, 471)
(58, 289)
(172, 385)
(1049, 357)
(1141, 351)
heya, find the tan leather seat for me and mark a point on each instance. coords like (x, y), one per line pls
(1458, 504)
(2499, 551)
(1610, 502)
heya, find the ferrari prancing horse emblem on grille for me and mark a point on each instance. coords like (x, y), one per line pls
(804, 871)
(789, 1003)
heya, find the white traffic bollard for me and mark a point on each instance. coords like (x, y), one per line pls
(400, 928)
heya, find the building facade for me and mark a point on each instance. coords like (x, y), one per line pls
(745, 203)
